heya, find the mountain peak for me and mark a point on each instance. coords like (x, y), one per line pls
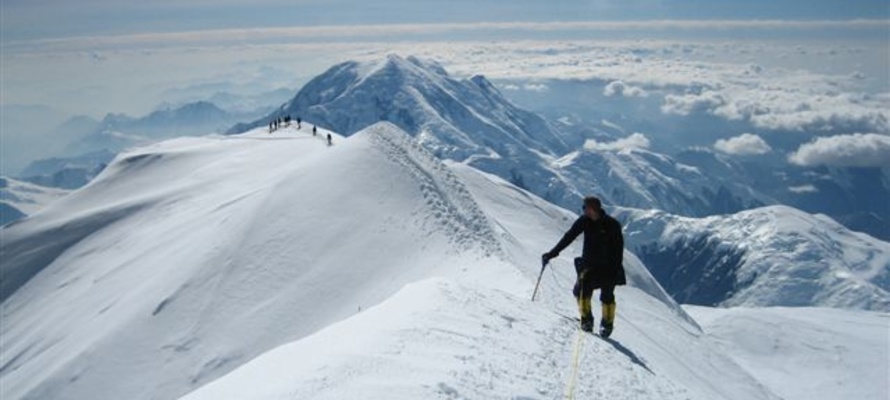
(454, 118)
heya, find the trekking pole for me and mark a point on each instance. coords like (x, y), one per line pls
(543, 265)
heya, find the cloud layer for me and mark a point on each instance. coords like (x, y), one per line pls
(619, 88)
(856, 150)
(634, 141)
(746, 144)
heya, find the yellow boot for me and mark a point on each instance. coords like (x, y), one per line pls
(586, 311)
(608, 321)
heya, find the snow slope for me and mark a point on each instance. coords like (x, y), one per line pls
(440, 339)
(770, 256)
(19, 199)
(805, 353)
(275, 266)
(189, 257)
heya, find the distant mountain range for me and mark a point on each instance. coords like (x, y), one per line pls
(470, 121)
(199, 266)
(118, 131)
(19, 199)
(67, 172)
(770, 256)
(92, 143)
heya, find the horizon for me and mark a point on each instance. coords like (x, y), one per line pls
(101, 57)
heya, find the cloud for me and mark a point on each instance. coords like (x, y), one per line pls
(691, 103)
(536, 87)
(634, 141)
(619, 88)
(856, 150)
(803, 189)
(745, 144)
(713, 78)
(256, 35)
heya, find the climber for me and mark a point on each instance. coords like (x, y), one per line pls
(600, 265)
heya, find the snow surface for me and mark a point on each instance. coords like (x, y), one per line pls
(443, 339)
(770, 256)
(805, 353)
(274, 266)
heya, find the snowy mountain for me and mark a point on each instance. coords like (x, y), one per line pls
(471, 122)
(465, 120)
(67, 172)
(639, 178)
(119, 131)
(19, 199)
(771, 256)
(855, 197)
(251, 104)
(290, 268)
(453, 118)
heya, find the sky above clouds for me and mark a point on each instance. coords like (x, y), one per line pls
(30, 19)
(128, 53)
(815, 66)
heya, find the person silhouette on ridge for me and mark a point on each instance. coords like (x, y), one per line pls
(600, 265)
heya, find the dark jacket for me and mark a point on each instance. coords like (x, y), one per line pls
(603, 248)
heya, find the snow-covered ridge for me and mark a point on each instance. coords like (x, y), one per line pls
(19, 199)
(455, 211)
(771, 256)
(191, 256)
(273, 254)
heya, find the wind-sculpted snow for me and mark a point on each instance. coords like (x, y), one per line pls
(772, 256)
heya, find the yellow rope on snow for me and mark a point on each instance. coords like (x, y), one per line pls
(576, 359)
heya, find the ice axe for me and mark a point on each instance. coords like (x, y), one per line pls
(543, 265)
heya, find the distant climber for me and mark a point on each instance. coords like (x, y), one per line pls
(314, 130)
(298, 122)
(600, 265)
(270, 127)
(330, 140)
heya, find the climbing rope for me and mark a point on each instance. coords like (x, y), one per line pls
(576, 359)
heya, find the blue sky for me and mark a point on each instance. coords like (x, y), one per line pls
(30, 19)
(804, 61)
